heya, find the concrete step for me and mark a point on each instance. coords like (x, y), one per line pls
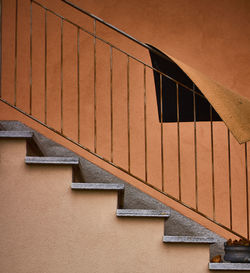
(97, 186)
(16, 134)
(229, 266)
(189, 239)
(33, 145)
(51, 160)
(103, 187)
(143, 213)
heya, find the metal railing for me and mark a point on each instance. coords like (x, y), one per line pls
(145, 113)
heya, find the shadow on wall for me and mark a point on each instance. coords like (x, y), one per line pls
(175, 97)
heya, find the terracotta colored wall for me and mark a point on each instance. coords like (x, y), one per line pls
(61, 103)
(211, 36)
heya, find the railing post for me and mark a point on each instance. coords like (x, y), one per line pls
(247, 189)
(212, 158)
(145, 124)
(95, 126)
(162, 151)
(30, 57)
(61, 75)
(45, 67)
(15, 83)
(195, 151)
(78, 85)
(1, 7)
(229, 177)
(111, 103)
(178, 139)
(128, 111)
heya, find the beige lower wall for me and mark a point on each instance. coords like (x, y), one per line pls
(45, 227)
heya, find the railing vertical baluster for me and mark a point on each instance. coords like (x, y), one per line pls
(78, 85)
(111, 102)
(45, 68)
(128, 111)
(16, 21)
(212, 158)
(195, 151)
(62, 76)
(247, 194)
(95, 127)
(162, 156)
(1, 33)
(30, 57)
(178, 138)
(229, 177)
(145, 125)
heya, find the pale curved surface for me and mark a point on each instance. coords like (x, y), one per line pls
(233, 108)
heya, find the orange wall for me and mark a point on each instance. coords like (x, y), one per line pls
(113, 145)
(210, 36)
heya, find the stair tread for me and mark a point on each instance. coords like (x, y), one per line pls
(97, 186)
(143, 213)
(51, 160)
(230, 266)
(188, 239)
(16, 134)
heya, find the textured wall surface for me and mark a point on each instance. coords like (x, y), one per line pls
(53, 99)
(210, 36)
(45, 227)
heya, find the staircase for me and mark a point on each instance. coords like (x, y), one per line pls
(66, 74)
(49, 226)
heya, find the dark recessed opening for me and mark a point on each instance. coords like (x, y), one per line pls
(190, 104)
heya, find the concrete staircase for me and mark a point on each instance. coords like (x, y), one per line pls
(49, 226)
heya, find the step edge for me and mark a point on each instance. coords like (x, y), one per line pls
(97, 186)
(51, 160)
(16, 134)
(189, 239)
(229, 266)
(142, 213)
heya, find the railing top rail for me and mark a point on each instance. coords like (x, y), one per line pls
(117, 30)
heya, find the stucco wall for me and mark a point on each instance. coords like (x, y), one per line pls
(211, 36)
(46, 227)
(61, 112)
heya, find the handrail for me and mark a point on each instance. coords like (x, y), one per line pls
(118, 30)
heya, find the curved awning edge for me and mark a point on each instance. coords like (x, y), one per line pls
(233, 108)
